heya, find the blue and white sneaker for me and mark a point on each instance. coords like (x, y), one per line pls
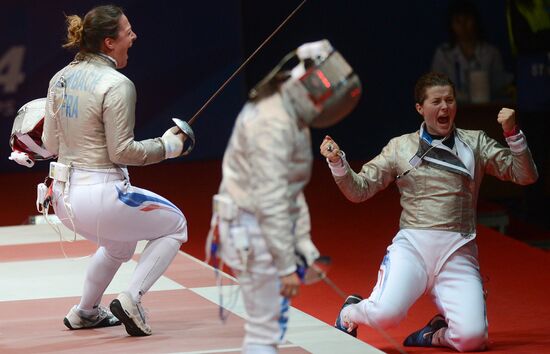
(352, 299)
(423, 337)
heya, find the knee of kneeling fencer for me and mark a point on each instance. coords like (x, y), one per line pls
(468, 340)
(385, 316)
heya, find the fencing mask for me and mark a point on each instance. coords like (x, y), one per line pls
(26, 134)
(322, 88)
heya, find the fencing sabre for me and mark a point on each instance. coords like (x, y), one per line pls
(185, 127)
(318, 271)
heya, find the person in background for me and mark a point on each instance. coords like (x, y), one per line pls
(89, 125)
(438, 170)
(474, 65)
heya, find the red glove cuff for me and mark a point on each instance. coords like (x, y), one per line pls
(512, 132)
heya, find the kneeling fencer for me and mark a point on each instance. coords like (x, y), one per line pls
(260, 211)
(438, 171)
(89, 122)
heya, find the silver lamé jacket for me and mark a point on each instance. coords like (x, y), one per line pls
(433, 198)
(266, 165)
(93, 126)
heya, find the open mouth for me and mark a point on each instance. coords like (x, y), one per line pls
(443, 120)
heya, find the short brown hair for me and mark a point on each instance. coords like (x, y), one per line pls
(428, 80)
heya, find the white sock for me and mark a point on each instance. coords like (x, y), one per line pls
(99, 274)
(155, 259)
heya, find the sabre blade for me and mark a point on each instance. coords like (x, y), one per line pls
(323, 276)
(185, 127)
(334, 286)
(240, 68)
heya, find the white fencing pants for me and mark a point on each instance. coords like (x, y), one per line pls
(267, 310)
(457, 291)
(107, 210)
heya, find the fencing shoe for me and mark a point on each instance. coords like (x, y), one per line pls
(423, 337)
(352, 299)
(76, 320)
(131, 314)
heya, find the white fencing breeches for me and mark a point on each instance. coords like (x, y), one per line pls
(267, 311)
(106, 209)
(457, 291)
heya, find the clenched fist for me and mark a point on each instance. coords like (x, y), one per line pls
(507, 118)
(330, 149)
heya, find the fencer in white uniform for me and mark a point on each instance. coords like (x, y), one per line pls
(89, 123)
(438, 171)
(260, 211)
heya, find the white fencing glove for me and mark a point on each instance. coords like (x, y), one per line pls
(307, 249)
(21, 158)
(173, 142)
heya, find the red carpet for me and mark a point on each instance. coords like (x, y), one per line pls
(355, 236)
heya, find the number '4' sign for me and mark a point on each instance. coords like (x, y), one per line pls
(10, 69)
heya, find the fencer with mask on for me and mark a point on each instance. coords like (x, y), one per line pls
(261, 222)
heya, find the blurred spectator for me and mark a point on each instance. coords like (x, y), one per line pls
(474, 65)
(529, 25)
(529, 31)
